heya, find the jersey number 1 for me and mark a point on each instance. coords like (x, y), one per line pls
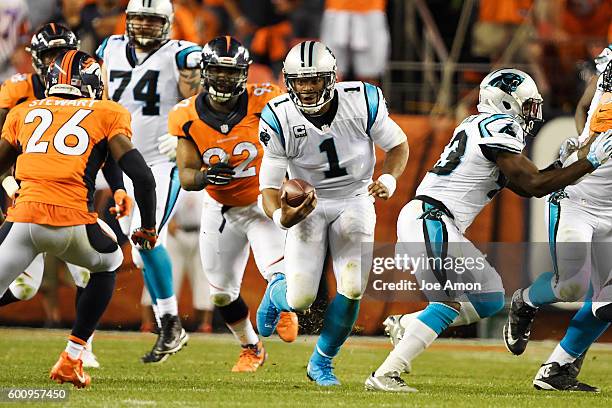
(328, 147)
(145, 90)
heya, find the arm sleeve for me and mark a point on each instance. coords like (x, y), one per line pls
(501, 133)
(274, 162)
(385, 133)
(112, 174)
(134, 166)
(189, 56)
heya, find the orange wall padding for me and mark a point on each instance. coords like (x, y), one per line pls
(426, 144)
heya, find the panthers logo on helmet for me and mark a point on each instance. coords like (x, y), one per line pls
(507, 82)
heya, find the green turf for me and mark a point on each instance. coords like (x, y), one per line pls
(451, 374)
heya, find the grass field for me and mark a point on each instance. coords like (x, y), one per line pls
(451, 374)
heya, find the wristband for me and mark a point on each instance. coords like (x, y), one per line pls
(592, 158)
(388, 181)
(10, 186)
(276, 217)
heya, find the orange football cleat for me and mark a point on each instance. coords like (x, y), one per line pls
(287, 327)
(68, 370)
(251, 358)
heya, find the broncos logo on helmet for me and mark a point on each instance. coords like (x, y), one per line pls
(225, 68)
(47, 41)
(74, 74)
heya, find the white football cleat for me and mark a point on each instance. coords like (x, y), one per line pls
(390, 382)
(89, 359)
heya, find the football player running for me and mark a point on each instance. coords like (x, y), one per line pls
(324, 133)
(47, 43)
(483, 156)
(217, 131)
(580, 231)
(148, 74)
(58, 144)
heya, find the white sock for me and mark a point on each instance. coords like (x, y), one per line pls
(74, 350)
(89, 345)
(244, 332)
(156, 314)
(167, 306)
(417, 338)
(560, 356)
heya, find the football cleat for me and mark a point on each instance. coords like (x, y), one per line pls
(89, 359)
(320, 370)
(390, 382)
(518, 327)
(171, 339)
(251, 358)
(68, 370)
(267, 313)
(287, 326)
(555, 377)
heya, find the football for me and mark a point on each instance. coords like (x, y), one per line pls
(297, 190)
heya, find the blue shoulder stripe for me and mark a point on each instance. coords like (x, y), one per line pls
(181, 56)
(484, 132)
(268, 116)
(372, 101)
(101, 48)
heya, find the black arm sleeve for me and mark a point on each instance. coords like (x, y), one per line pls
(112, 174)
(134, 166)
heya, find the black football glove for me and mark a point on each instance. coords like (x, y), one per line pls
(219, 174)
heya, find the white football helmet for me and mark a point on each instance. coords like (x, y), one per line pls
(145, 34)
(513, 92)
(310, 59)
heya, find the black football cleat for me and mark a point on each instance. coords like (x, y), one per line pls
(171, 339)
(518, 327)
(555, 377)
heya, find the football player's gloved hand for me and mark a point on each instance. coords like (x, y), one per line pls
(123, 204)
(219, 174)
(601, 149)
(145, 238)
(167, 145)
(568, 147)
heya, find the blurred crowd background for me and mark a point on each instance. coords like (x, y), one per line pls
(428, 56)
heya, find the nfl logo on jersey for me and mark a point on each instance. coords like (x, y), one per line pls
(224, 128)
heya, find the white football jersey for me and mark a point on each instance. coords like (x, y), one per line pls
(596, 187)
(149, 89)
(466, 177)
(338, 160)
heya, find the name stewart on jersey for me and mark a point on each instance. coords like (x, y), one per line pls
(232, 138)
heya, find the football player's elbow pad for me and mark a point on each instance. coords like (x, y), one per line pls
(272, 172)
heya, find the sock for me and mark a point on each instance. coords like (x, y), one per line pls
(418, 337)
(79, 293)
(338, 322)
(156, 315)
(92, 304)
(158, 268)
(236, 316)
(244, 332)
(147, 281)
(559, 355)
(583, 330)
(8, 298)
(278, 295)
(75, 347)
(438, 316)
(167, 306)
(540, 292)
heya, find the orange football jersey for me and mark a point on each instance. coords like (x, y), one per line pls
(602, 118)
(62, 144)
(233, 137)
(20, 88)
